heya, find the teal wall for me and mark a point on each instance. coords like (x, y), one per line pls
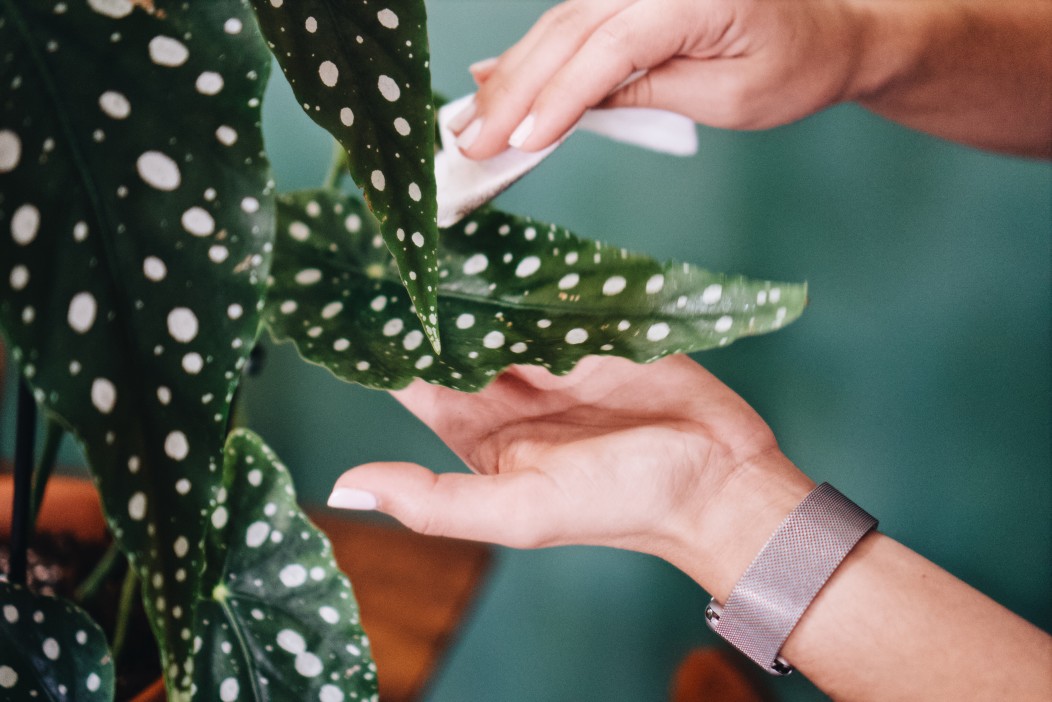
(917, 381)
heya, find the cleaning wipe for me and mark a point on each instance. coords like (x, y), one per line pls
(465, 184)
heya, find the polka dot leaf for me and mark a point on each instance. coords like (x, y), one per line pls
(136, 221)
(361, 71)
(512, 291)
(279, 621)
(51, 650)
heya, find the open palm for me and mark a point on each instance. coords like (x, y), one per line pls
(612, 454)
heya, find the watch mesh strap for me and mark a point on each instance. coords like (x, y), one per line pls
(785, 576)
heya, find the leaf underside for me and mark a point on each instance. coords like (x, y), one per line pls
(512, 291)
(136, 220)
(51, 650)
(279, 620)
(362, 72)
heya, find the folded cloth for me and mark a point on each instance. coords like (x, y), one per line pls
(465, 184)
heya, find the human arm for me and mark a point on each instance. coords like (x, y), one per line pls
(972, 71)
(664, 459)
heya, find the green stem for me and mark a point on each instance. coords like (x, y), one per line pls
(337, 168)
(91, 585)
(129, 590)
(45, 466)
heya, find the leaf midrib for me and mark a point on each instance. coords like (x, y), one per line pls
(503, 303)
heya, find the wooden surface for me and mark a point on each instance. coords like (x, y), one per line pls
(414, 591)
(717, 675)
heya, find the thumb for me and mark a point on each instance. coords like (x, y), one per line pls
(504, 509)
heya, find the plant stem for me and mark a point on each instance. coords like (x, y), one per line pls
(337, 168)
(129, 590)
(25, 437)
(45, 467)
(90, 587)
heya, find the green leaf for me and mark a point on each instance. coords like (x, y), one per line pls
(361, 71)
(136, 220)
(513, 291)
(51, 650)
(281, 622)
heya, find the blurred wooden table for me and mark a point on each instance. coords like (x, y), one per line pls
(414, 591)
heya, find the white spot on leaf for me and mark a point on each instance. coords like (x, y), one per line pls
(166, 51)
(159, 171)
(182, 324)
(103, 395)
(388, 88)
(10, 151)
(329, 73)
(658, 331)
(114, 104)
(198, 221)
(576, 336)
(81, 314)
(25, 223)
(176, 445)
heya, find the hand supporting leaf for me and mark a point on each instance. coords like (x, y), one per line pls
(362, 72)
(514, 291)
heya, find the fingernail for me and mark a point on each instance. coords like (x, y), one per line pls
(469, 135)
(483, 65)
(522, 132)
(461, 119)
(349, 498)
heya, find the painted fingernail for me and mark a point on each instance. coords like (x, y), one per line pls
(483, 65)
(461, 119)
(349, 498)
(522, 132)
(469, 135)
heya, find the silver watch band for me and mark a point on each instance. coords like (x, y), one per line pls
(794, 564)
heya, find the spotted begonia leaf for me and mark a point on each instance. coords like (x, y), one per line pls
(51, 650)
(361, 71)
(513, 290)
(136, 221)
(279, 620)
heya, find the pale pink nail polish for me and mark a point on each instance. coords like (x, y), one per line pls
(349, 498)
(522, 132)
(461, 119)
(469, 135)
(483, 65)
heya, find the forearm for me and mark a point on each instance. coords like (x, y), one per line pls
(978, 72)
(888, 625)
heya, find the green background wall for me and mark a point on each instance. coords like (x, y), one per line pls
(917, 381)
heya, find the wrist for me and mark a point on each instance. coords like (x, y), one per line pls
(887, 46)
(716, 542)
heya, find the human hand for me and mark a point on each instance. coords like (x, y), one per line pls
(662, 459)
(737, 64)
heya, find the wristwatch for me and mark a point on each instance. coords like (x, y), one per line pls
(779, 585)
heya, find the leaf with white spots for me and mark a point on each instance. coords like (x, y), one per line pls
(361, 71)
(513, 291)
(135, 210)
(51, 650)
(278, 620)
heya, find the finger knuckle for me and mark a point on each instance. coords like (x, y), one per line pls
(564, 16)
(612, 35)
